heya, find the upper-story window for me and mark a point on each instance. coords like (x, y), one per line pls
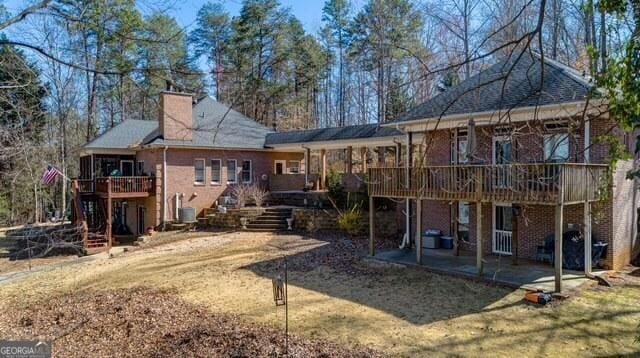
(556, 147)
(459, 151)
(232, 175)
(216, 171)
(198, 167)
(246, 171)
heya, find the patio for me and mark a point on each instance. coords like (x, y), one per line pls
(526, 275)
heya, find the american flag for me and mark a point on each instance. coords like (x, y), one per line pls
(50, 175)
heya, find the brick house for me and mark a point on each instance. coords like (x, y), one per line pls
(502, 142)
(516, 150)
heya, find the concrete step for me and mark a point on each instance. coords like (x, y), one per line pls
(267, 226)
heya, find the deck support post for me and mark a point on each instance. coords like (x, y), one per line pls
(587, 238)
(558, 248)
(323, 169)
(454, 223)
(349, 159)
(307, 165)
(408, 164)
(479, 259)
(372, 232)
(109, 217)
(419, 231)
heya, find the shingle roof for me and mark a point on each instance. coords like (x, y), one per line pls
(362, 131)
(124, 135)
(236, 130)
(523, 87)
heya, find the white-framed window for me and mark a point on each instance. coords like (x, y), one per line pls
(556, 147)
(232, 174)
(459, 152)
(293, 167)
(216, 171)
(199, 167)
(246, 171)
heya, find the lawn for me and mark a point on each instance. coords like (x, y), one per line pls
(336, 296)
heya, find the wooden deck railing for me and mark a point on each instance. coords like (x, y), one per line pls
(118, 185)
(523, 183)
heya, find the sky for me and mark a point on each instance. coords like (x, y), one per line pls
(309, 12)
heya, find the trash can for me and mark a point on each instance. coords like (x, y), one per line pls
(431, 239)
(446, 242)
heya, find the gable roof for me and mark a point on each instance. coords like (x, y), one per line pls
(217, 126)
(124, 135)
(363, 131)
(528, 83)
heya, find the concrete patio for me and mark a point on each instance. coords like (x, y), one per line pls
(527, 274)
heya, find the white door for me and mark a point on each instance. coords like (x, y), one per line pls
(502, 229)
(502, 153)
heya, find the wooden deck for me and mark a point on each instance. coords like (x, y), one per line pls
(118, 187)
(546, 184)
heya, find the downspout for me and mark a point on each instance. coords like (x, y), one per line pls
(164, 187)
(406, 239)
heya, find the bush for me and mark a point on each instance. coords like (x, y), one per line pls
(335, 190)
(258, 194)
(351, 221)
(241, 193)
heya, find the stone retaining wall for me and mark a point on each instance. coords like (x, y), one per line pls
(319, 219)
(231, 219)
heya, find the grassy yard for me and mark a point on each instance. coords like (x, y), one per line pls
(336, 296)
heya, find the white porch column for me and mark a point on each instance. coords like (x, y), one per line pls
(323, 170)
(419, 232)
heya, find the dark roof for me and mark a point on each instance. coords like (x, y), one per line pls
(362, 131)
(235, 132)
(523, 87)
(124, 135)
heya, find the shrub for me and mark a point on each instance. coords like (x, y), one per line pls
(241, 193)
(258, 194)
(351, 221)
(335, 189)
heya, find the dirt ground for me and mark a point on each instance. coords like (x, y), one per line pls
(336, 296)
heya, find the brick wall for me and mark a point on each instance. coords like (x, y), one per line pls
(537, 221)
(181, 175)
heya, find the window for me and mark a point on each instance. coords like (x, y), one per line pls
(293, 166)
(246, 171)
(463, 220)
(199, 171)
(556, 148)
(459, 153)
(231, 171)
(140, 168)
(502, 150)
(215, 171)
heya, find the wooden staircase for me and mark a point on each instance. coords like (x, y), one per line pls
(273, 219)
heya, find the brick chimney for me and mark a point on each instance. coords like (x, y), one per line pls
(176, 115)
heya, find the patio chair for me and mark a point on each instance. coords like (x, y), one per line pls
(545, 252)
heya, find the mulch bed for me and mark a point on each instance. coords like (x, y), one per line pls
(150, 323)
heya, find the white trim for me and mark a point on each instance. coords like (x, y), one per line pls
(219, 182)
(107, 151)
(493, 228)
(299, 166)
(133, 166)
(250, 171)
(521, 114)
(339, 144)
(235, 164)
(204, 171)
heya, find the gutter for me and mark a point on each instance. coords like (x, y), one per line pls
(164, 187)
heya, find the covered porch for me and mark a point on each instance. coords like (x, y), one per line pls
(497, 269)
